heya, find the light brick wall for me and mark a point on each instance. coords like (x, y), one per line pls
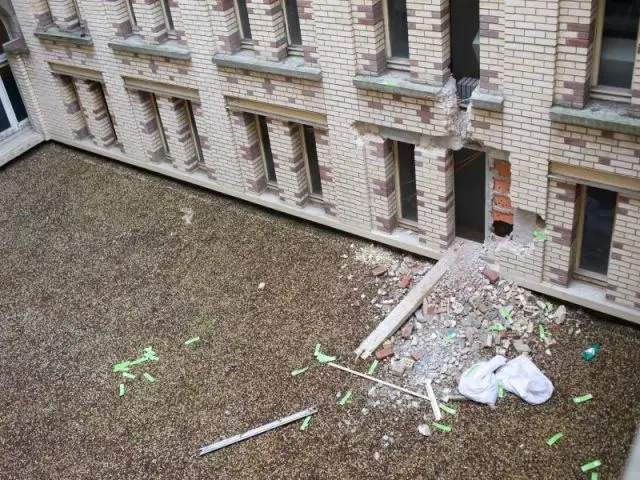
(491, 45)
(369, 37)
(268, 29)
(623, 277)
(429, 46)
(246, 136)
(288, 158)
(64, 14)
(382, 188)
(95, 112)
(635, 84)
(182, 150)
(75, 118)
(149, 126)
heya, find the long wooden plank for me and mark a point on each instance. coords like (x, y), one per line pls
(257, 431)
(406, 307)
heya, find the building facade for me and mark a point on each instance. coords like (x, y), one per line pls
(408, 122)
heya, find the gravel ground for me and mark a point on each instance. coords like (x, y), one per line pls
(98, 263)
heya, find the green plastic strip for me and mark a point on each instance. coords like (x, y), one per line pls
(449, 337)
(317, 350)
(322, 358)
(147, 356)
(192, 340)
(539, 235)
(543, 334)
(149, 377)
(497, 327)
(548, 305)
(553, 439)
(449, 410)
(594, 476)
(583, 398)
(346, 397)
(372, 367)
(500, 389)
(128, 375)
(305, 423)
(299, 371)
(504, 311)
(122, 389)
(440, 426)
(591, 465)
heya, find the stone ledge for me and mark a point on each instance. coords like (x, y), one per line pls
(54, 34)
(135, 44)
(17, 46)
(486, 101)
(611, 116)
(398, 83)
(290, 67)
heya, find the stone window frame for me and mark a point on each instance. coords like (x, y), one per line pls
(403, 222)
(132, 16)
(158, 118)
(313, 196)
(293, 50)
(271, 184)
(392, 63)
(195, 136)
(603, 92)
(166, 14)
(245, 43)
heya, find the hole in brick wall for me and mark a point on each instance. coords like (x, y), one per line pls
(502, 229)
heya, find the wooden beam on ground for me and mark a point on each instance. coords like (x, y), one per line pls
(407, 306)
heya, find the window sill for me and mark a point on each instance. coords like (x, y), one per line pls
(611, 116)
(485, 101)
(134, 44)
(399, 83)
(290, 67)
(54, 34)
(17, 46)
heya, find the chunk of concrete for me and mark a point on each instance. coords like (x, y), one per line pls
(520, 346)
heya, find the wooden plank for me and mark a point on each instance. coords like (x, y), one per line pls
(257, 431)
(434, 403)
(406, 307)
(377, 380)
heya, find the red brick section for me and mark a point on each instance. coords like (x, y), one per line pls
(501, 206)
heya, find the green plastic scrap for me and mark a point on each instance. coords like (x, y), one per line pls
(583, 398)
(554, 438)
(449, 337)
(543, 334)
(192, 340)
(591, 465)
(540, 235)
(449, 410)
(345, 398)
(500, 389)
(317, 350)
(506, 314)
(147, 355)
(305, 423)
(322, 358)
(594, 476)
(372, 367)
(149, 377)
(128, 375)
(299, 371)
(122, 389)
(440, 426)
(497, 327)
(548, 306)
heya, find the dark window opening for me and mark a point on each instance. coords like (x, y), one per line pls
(465, 46)
(267, 156)
(312, 160)
(13, 93)
(470, 179)
(502, 229)
(293, 22)
(597, 229)
(194, 130)
(167, 15)
(4, 36)
(397, 28)
(406, 182)
(243, 19)
(618, 48)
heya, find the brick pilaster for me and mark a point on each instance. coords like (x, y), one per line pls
(64, 14)
(149, 124)
(151, 23)
(268, 29)
(436, 202)
(635, 84)
(96, 113)
(248, 143)
(368, 25)
(119, 19)
(429, 47)
(73, 111)
(575, 52)
(175, 119)
(562, 224)
(225, 25)
(325, 162)
(288, 158)
(40, 11)
(308, 31)
(382, 186)
(491, 45)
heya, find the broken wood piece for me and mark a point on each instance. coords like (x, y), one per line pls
(437, 414)
(257, 431)
(407, 306)
(377, 380)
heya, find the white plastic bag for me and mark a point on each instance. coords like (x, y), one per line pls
(521, 377)
(479, 382)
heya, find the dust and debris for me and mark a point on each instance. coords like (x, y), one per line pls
(187, 218)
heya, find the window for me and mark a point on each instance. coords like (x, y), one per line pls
(617, 32)
(465, 47)
(265, 150)
(4, 38)
(194, 130)
(597, 212)
(292, 24)
(311, 160)
(405, 173)
(156, 113)
(166, 12)
(132, 15)
(396, 33)
(242, 15)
